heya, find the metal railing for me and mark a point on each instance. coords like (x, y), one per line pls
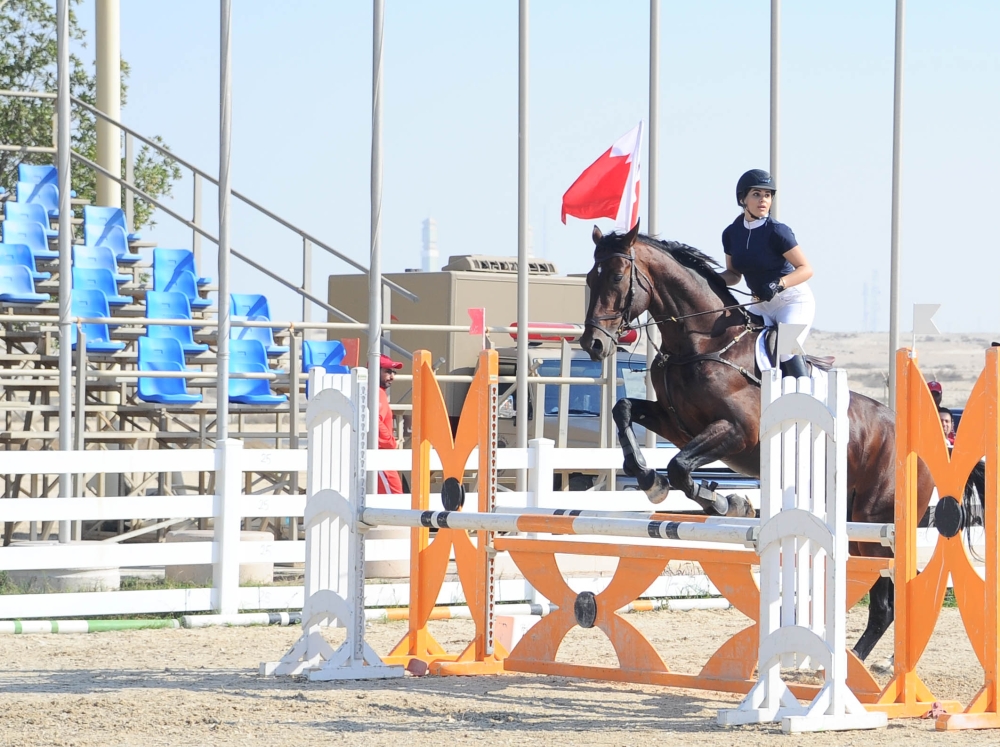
(308, 239)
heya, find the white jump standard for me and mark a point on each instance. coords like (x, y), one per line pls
(803, 547)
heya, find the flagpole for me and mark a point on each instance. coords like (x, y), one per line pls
(375, 262)
(775, 100)
(897, 155)
(522, 238)
(652, 227)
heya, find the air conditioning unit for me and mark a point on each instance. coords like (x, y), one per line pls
(508, 265)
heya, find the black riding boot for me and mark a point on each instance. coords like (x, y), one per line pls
(795, 366)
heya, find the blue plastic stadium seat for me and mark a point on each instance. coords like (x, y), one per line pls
(93, 304)
(40, 174)
(46, 195)
(98, 218)
(248, 356)
(16, 286)
(19, 254)
(168, 261)
(30, 234)
(31, 212)
(325, 354)
(184, 282)
(163, 354)
(100, 257)
(172, 305)
(114, 239)
(102, 280)
(249, 304)
(262, 334)
(253, 307)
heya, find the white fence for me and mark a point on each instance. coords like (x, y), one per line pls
(230, 506)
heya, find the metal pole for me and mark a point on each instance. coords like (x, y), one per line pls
(108, 56)
(306, 279)
(65, 250)
(775, 99)
(225, 131)
(652, 221)
(375, 263)
(130, 178)
(522, 237)
(196, 220)
(897, 158)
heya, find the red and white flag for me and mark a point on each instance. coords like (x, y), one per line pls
(609, 188)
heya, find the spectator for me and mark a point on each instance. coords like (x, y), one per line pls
(936, 392)
(388, 480)
(947, 423)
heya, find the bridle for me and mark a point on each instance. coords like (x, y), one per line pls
(646, 284)
(672, 360)
(623, 316)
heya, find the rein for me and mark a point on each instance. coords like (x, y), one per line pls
(669, 360)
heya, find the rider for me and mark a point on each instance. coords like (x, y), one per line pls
(775, 266)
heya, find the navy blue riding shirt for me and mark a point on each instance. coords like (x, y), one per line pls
(758, 253)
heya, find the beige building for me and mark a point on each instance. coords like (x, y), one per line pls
(465, 282)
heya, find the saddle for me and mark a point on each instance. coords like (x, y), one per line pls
(822, 362)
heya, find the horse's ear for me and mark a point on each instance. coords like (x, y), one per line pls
(631, 236)
(597, 235)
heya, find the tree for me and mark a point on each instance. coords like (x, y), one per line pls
(28, 57)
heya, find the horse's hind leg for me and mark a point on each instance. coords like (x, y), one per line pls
(880, 614)
(625, 412)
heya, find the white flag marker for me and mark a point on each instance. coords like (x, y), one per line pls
(923, 318)
(790, 339)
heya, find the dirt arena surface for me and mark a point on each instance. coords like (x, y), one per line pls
(200, 687)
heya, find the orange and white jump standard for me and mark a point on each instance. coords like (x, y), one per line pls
(919, 597)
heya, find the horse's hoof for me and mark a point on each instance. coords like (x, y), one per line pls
(658, 492)
(884, 666)
(739, 507)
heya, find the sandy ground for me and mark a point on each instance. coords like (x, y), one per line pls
(200, 687)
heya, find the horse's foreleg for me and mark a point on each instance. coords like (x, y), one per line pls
(625, 412)
(718, 440)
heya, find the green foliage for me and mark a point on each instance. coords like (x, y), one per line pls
(28, 56)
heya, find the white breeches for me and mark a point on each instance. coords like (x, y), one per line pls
(793, 306)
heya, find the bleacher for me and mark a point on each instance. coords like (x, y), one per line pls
(123, 290)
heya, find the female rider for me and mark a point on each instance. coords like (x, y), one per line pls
(774, 264)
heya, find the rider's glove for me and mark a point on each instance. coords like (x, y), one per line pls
(771, 290)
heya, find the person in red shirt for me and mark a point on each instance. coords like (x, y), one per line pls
(388, 480)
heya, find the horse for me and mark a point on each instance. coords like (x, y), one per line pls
(708, 391)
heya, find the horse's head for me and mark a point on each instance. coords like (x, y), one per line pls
(616, 294)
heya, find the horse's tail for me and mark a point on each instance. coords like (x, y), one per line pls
(974, 501)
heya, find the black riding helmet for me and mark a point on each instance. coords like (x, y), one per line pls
(753, 179)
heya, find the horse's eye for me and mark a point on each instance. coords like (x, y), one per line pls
(618, 278)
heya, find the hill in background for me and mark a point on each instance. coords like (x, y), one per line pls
(955, 360)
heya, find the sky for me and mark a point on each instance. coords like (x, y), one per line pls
(301, 132)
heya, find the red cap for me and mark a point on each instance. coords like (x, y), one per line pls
(386, 362)
(934, 386)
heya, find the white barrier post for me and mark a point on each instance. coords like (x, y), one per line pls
(228, 485)
(337, 419)
(803, 548)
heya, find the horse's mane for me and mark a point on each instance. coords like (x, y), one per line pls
(687, 256)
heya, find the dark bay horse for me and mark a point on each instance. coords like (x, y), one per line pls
(707, 400)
